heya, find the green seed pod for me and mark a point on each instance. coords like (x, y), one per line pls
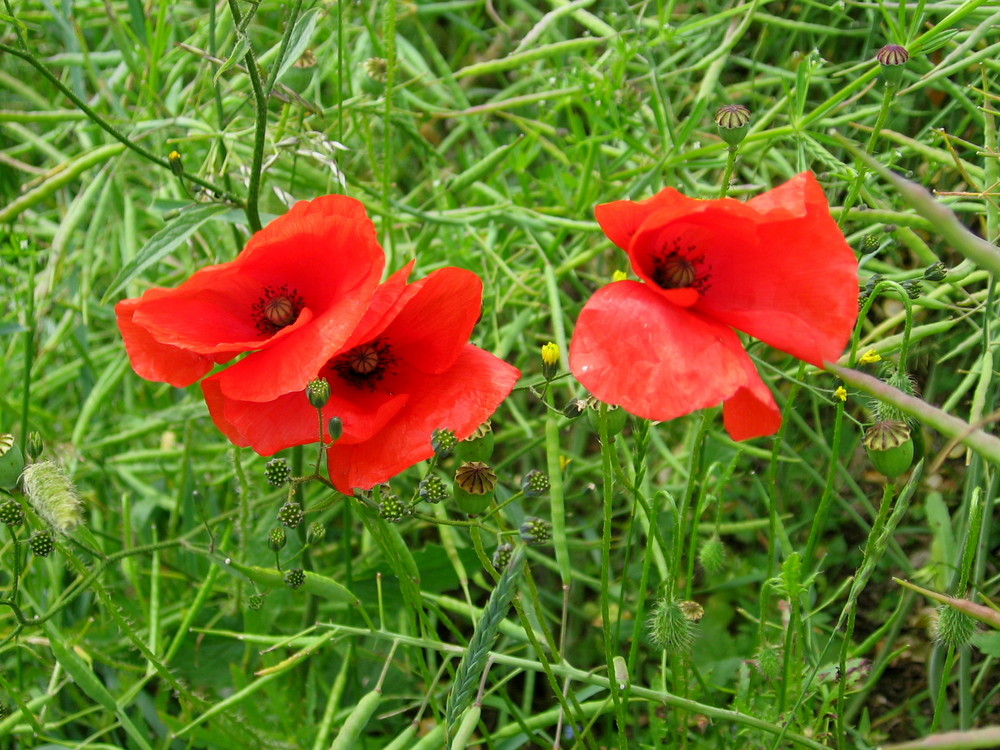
(295, 578)
(11, 462)
(892, 59)
(41, 544)
(889, 447)
(478, 446)
(616, 418)
(472, 504)
(11, 514)
(732, 121)
(290, 514)
(356, 722)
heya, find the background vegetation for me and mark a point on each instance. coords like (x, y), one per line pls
(481, 134)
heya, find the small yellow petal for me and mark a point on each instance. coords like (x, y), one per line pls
(550, 353)
(841, 393)
(870, 356)
(619, 276)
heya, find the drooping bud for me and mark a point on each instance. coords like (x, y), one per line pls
(478, 446)
(889, 447)
(290, 514)
(277, 538)
(318, 392)
(52, 496)
(534, 483)
(11, 461)
(712, 554)
(443, 442)
(550, 360)
(912, 288)
(432, 489)
(936, 272)
(335, 428)
(502, 555)
(535, 531)
(732, 120)
(276, 472)
(892, 58)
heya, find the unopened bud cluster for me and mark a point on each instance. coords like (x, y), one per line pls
(276, 472)
(291, 514)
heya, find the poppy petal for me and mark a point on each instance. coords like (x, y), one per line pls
(796, 286)
(460, 399)
(620, 220)
(751, 412)
(632, 348)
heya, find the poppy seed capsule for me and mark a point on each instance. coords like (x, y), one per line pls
(474, 485)
(892, 58)
(889, 447)
(732, 120)
(11, 461)
(478, 446)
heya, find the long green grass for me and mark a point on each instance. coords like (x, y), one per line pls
(481, 135)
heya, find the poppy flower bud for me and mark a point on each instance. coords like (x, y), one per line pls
(936, 272)
(176, 166)
(475, 482)
(534, 483)
(535, 531)
(889, 447)
(432, 489)
(712, 554)
(732, 120)
(295, 578)
(335, 428)
(912, 288)
(276, 472)
(669, 628)
(290, 514)
(550, 360)
(277, 538)
(769, 662)
(443, 442)
(52, 495)
(952, 627)
(318, 392)
(11, 461)
(502, 555)
(478, 446)
(892, 58)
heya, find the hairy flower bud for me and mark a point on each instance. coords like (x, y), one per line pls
(669, 628)
(952, 627)
(52, 496)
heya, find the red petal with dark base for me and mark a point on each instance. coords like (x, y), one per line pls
(460, 399)
(634, 349)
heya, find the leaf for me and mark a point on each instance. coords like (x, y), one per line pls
(988, 643)
(239, 52)
(299, 40)
(163, 242)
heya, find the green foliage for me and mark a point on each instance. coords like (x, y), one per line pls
(482, 135)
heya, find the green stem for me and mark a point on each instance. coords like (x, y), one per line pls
(114, 132)
(888, 95)
(260, 129)
(730, 168)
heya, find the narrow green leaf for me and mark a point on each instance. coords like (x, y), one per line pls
(301, 35)
(163, 243)
(239, 52)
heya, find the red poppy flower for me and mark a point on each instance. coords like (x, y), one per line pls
(405, 371)
(302, 282)
(776, 267)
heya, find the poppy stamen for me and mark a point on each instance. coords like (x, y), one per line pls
(365, 365)
(277, 307)
(681, 269)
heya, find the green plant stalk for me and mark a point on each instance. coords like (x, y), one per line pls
(557, 503)
(389, 39)
(260, 129)
(283, 48)
(730, 168)
(608, 489)
(904, 345)
(984, 444)
(888, 96)
(114, 132)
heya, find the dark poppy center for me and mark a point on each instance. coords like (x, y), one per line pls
(365, 365)
(679, 267)
(277, 307)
